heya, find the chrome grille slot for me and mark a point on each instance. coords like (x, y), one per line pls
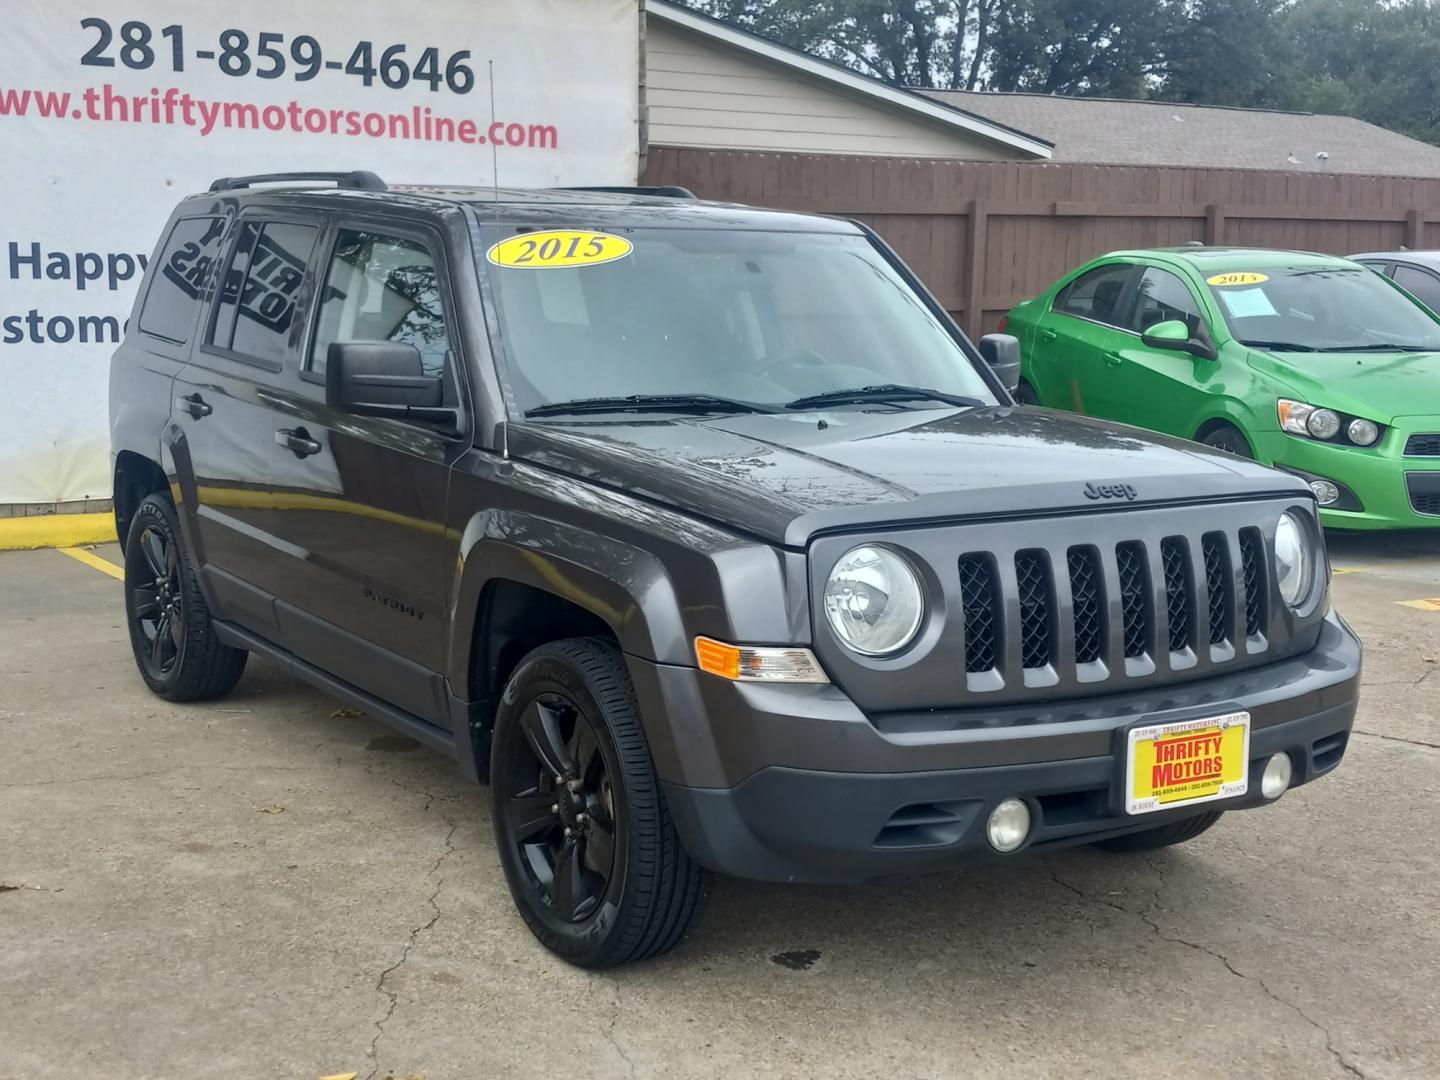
(980, 596)
(1086, 603)
(1217, 586)
(1252, 564)
(1032, 578)
(1134, 596)
(1179, 584)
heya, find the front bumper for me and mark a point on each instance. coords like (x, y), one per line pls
(1381, 478)
(820, 794)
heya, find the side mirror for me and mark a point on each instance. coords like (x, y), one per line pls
(1002, 353)
(383, 378)
(1174, 335)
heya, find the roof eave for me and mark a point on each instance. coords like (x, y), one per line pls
(904, 100)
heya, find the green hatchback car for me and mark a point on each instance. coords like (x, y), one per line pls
(1310, 363)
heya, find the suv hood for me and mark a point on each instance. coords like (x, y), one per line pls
(784, 477)
(1379, 386)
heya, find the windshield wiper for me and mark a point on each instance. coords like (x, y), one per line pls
(679, 403)
(1278, 346)
(1380, 346)
(882, 392)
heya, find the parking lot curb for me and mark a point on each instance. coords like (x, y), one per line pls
(55, 530)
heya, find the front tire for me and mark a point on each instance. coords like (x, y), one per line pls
(1176, 832)
(589, 851)
(179, 655)
(1230, 440)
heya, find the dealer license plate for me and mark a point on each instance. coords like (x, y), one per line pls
(1192, 761)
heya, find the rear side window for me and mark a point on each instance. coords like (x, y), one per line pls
(382, 288)
(176, 287)
(257, 300)
(1424, 287)
(1095, 294)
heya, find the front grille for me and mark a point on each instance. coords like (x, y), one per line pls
(1175, 558)
(1217, 581)
(1424, 489)
(1085, 600)
(1032, 580)
(1134, 590)
(1252, 558)
(1423, 446)
(979, 596)
(1187, 594)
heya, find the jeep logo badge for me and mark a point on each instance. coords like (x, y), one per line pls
(1110, 491)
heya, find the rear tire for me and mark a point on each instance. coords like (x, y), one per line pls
(1176, 832)
(1230, 440)
(1025, 394)
(588, 847)
(179, 655)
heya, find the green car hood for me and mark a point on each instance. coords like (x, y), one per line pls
(1379, 386)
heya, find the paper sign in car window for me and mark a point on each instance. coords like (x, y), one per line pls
(556, 248)
(1246, 303)
(1236, 277)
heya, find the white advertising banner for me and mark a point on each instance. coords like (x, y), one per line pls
(110, 112)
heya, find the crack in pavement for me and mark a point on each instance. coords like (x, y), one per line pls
(429, 924)
(1143, 916)
(610, 1031)
(125, 777)
(1397, 738)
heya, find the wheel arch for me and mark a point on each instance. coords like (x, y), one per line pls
(136, 476)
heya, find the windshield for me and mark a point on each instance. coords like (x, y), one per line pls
(757, 318)
(1321, 310)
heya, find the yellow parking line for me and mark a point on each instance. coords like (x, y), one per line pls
(93, 561)
(1338, 570)
(1423, 605)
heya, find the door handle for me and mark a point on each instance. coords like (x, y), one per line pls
(1048, 335)
(297, 441)
(195, 405)
(1113, 359)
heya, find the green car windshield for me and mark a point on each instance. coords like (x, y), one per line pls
(1328, 309)
(760, 319)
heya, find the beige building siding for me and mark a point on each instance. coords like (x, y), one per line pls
(712, 97)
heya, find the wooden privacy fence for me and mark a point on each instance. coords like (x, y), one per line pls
(984, 235)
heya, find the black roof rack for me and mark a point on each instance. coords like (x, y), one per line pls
(359, 180)
(668, 191)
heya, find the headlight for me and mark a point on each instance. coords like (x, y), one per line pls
(1294, 559)
(873, 600)
(1313, 422)
(1362, 432)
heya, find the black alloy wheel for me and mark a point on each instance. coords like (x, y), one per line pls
(560, 808)
(591, 855)
(152, 574)
(177, 649)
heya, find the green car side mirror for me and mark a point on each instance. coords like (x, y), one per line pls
(1174, 335)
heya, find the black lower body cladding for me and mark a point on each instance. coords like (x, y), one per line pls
(789, 783)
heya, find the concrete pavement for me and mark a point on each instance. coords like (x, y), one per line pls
(273, 886)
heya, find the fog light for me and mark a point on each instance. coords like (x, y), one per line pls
(1009, 825)
(1325, 492)
(1276, 778)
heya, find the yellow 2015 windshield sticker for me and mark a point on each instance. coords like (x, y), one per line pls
(1237, 278)
(559, 247)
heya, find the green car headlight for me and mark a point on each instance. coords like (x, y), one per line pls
(1325, 425)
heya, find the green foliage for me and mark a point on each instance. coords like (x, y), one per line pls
(1378, 60)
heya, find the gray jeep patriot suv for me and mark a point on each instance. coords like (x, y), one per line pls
(705, 536)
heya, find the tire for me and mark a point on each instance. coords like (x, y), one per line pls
(1176, 832)
(179, 655)
(569, 767)
(1230, 440)
(1025, 394)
